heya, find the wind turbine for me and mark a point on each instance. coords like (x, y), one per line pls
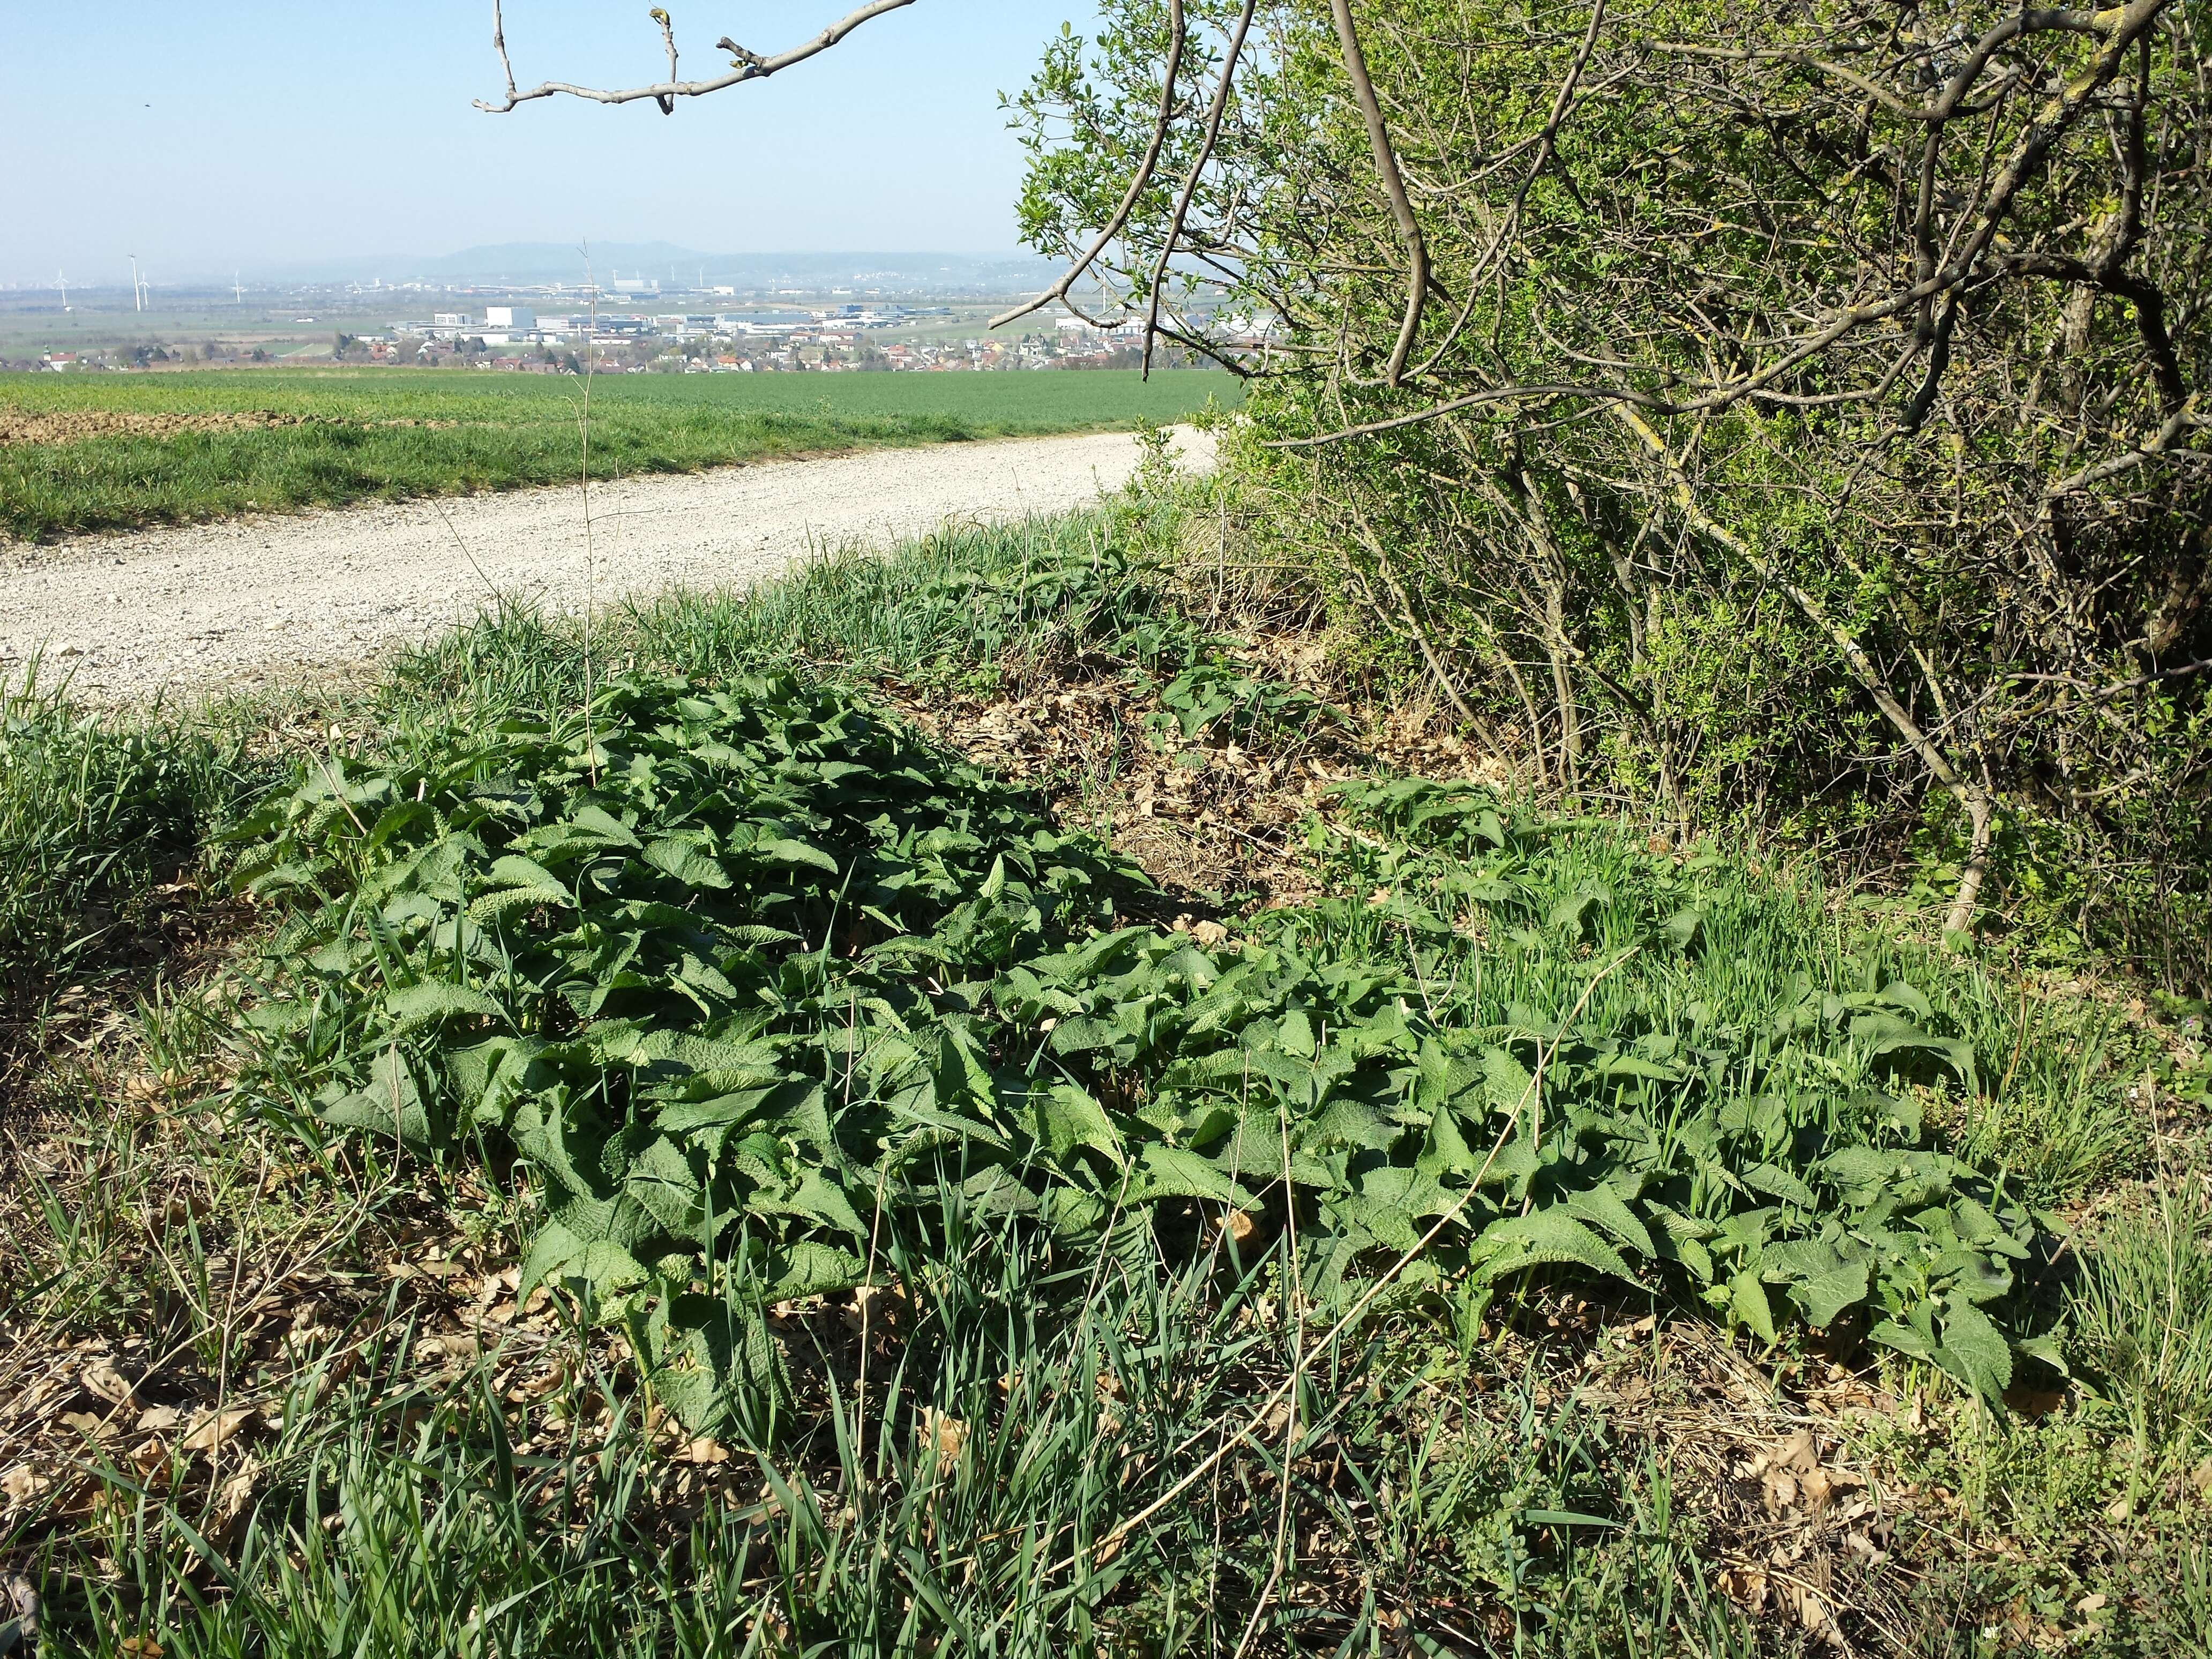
(137, 292)
(237, 294)
(61, 282)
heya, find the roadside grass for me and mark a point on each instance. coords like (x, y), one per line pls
(433, 1456)
(99, 819)
(89, 454)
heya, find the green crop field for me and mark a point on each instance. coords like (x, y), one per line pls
(116, 451)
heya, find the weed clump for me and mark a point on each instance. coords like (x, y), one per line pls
(744, 974)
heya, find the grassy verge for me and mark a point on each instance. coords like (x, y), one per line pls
(1118, 1162)
(81, 454)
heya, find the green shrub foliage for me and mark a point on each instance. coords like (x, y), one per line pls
(1789, 414)
(744, 974)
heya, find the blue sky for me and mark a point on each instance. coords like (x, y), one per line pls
(218, 134)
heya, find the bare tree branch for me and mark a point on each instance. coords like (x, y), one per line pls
(1214, 114)
(1139, 183)
(748, 65)
(1394, 186)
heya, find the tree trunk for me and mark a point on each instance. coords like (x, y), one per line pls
(1979, 814)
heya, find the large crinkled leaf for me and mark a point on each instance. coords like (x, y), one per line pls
(512, 869)
(1914, 1334)
(1543, 1235)
(1974, 1351)
(1507, 1081)
(1823, 1295)
(414, 1006)
(785, 849)
(1175, 1172)
(1777, 1182)
(661, 1179)
(591, 1267)
(1602, 1207)
(1068, 1118)
(817, 1196)
(1354, 1215)
(389, 1104)
(683, 860)
(1748, 1304)
(1406, 1191)
(699, 1350)
(807, 1267)
(598, 821)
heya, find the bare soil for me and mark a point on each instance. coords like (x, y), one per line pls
(70, 426)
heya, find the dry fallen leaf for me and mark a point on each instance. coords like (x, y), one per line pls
(1745, 1586)
(1209, 933)
(1812, 1611)
(139, 1647)
(1799, 1453)
(213, 1429)
(19, 1484)
(708, 1451)
(947, 1434)
(101, 1378)
(159, 1419)
(238, 1490)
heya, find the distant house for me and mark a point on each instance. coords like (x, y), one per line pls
(58, 361)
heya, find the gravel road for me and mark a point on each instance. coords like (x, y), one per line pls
(280, 597)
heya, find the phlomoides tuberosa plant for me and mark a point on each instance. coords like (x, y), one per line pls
(1783, 409)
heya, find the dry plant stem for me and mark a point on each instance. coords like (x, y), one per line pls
(1290, 1422)
(1178, 36)
(454, 530)
(1482, 727)
(1972, 797)
(1382, 1282)
(1394, 185)
(591, 576)
(749, 66)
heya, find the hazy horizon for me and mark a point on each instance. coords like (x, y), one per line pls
(276, 142)
(536, 264)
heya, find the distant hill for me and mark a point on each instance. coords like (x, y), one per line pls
(524, 263)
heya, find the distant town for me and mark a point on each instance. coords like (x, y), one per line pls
(622, 324)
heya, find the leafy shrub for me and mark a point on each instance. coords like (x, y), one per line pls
(741, 972)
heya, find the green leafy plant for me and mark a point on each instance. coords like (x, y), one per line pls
(1218, 700)
(738, 972)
